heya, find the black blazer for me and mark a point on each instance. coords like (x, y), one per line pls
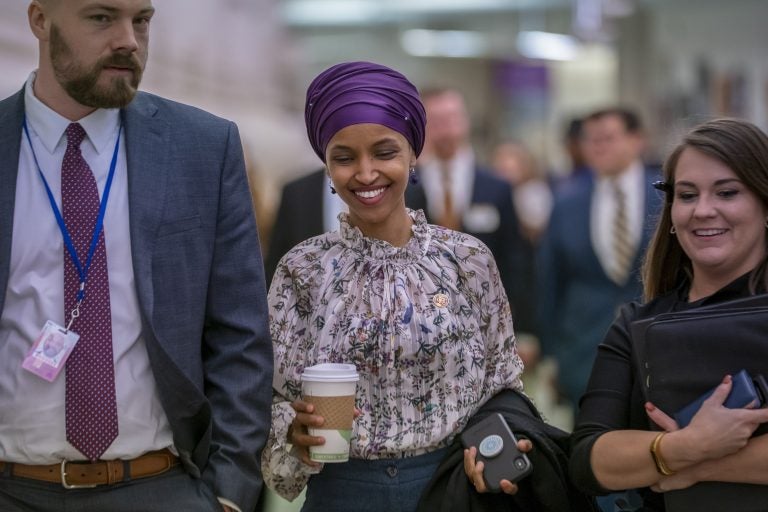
(502, 236)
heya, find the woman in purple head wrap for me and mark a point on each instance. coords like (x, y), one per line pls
(418, 309)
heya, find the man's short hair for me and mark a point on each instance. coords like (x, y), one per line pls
(630, 118)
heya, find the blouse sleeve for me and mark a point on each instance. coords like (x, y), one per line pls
(283, 472)
(503, 365)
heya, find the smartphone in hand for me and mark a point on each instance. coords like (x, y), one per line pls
(497, 449)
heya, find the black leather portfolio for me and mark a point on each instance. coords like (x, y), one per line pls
(684, 354)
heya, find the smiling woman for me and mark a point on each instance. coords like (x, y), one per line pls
(709, 248)
(717, 178)
(418, 309)
(369, 167)
(719, 222)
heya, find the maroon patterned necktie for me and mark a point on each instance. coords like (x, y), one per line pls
(91, 406)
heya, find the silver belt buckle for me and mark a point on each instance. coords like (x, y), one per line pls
(70, 486)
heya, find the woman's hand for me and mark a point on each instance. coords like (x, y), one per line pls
(298, 431)
(715, 430)
(474, 469)
(660, 418)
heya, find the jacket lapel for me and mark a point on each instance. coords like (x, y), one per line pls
(11, 116)
(146, 137)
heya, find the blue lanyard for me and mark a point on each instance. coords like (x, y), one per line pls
(82, 270)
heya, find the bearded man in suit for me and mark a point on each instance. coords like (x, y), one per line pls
(126, 221)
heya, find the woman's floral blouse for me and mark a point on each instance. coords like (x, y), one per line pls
(427, 325)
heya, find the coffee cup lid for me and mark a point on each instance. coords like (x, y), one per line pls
(330, 372)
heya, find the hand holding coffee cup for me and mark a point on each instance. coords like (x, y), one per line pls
(327, 411)
(298, 433)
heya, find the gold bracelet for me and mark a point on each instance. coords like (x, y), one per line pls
(658, 458)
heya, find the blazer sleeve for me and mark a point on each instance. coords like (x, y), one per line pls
(236, 351)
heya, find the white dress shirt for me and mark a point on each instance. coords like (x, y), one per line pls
(32, 410)
(462, 170)
(603, 211)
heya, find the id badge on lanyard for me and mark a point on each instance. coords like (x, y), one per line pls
(48, 354)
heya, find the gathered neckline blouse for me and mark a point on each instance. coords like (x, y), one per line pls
(427, 325)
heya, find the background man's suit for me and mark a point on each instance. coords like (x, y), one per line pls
(500, 232)
(578, 300)
(199, 282)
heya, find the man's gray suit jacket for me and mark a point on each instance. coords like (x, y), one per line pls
(199, 280)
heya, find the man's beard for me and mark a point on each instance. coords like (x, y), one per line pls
(82, 84)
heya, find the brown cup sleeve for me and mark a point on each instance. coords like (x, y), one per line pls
(337, 411)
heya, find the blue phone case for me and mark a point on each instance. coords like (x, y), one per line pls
(742, 394)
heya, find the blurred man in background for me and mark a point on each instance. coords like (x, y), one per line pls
(589, 260)
(462, 195)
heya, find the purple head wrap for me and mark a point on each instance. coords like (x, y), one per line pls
(362, 92)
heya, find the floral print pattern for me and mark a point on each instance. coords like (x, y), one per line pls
(427, 325)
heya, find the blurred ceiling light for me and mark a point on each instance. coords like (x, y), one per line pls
(546, 45)
(444, 6)
(371, 12)
(444, 43)
(330, 12)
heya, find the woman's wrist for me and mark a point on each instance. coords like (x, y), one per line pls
(658, 455)
(678, 450)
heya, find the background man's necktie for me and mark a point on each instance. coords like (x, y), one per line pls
(623, 248)
(449, 219)
(91, 408)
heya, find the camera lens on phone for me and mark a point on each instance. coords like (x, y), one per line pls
(520, 463)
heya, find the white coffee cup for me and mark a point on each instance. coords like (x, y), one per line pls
(330, 387)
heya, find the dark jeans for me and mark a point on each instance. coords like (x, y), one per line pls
(384, 485)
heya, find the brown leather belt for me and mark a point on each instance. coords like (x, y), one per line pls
(78, 475)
